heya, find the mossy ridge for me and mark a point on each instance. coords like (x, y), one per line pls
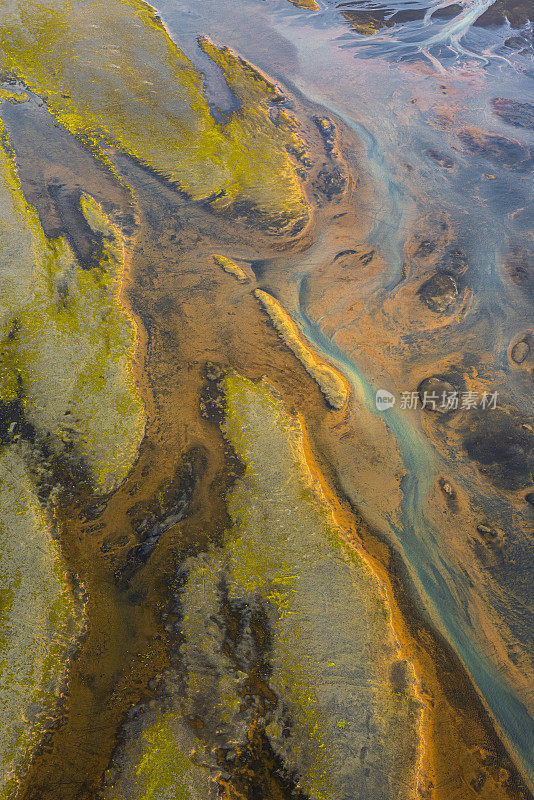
(323, 677)
(145, 97)
(290, 562)
(160, 768)
(39, 622)
(258, 148)
(331, 383)
(21, 238)
(231, 268)
(67, 343)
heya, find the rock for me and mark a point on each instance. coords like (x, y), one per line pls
(520, 351)
(438, 394)
(439, 292)
(327, 129)
(485, 530)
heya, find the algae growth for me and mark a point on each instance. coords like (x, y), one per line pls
(111, 75)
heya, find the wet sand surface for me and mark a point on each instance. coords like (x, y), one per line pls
(431, 506)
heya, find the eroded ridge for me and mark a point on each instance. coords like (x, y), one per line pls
(67, 342)
(139, 93)
(286, 658)
(331, 383)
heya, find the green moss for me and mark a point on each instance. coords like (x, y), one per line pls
(231, 268)
(67, 342)
(38, 620)
(110, 74)
(163, 766)
(332, 643)
(13, 96)
(154, 764)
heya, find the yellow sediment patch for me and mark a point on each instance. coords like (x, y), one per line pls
(311, 5)
(231, 268)
(331, 383)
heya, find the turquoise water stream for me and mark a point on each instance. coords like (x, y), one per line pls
(370, 83)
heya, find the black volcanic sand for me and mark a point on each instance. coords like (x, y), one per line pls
(520, 115)
(499, 149)
(517, 12)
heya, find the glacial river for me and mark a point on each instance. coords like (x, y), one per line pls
(405, 92)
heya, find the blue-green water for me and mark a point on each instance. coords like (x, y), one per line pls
(394, 91)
